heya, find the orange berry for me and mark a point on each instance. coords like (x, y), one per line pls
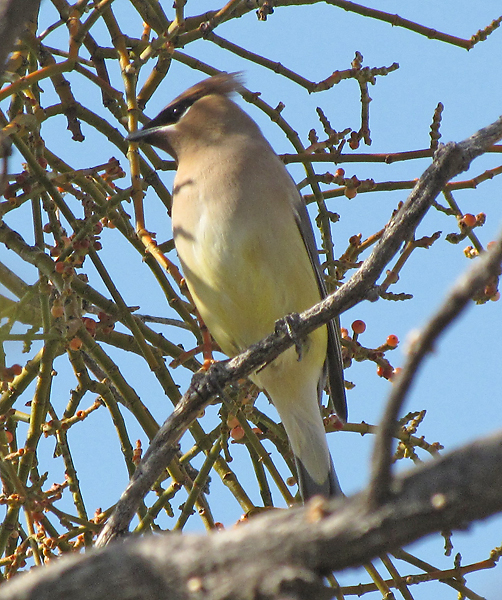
(350, 192)
(57, 311)
(232, 421)
(75, 343)
(339, 173)
(385, 372)
(17, 369)
(490, 290)
(344, 333)
(396, 372)
(354, 144)
(59, 267)
(392, 341)
(90, 324)
(6, 374)
(10, 193)
(490, 245)
(237, 433)
(358, 326)
(468, 220)
(495, 297)
(9, 437)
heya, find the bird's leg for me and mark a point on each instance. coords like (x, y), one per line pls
(289, 325)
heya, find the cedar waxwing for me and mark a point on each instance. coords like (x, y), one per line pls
(249, 257)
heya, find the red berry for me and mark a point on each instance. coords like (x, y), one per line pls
(89, 324)
(490, 290)
(396, 372)
(17, 369)
(10, 193)
(59, 267)
(7, 374)
(57, 311)
(237, 433)
(232, 421)
(385, 371)
(75, 343)
(358, 326)
(392, 341)
(468, 220)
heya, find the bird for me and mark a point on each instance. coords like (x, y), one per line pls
(248, 254)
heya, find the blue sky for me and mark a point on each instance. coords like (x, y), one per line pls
(459, 384)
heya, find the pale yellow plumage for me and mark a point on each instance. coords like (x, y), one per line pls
(236, 230)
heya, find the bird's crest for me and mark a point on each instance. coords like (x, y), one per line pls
(222, 84)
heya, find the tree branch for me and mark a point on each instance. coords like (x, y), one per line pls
(283, 553)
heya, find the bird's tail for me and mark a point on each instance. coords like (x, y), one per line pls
(309, 487)
(305, 429)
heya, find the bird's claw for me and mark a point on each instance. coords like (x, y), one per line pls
(289, 325)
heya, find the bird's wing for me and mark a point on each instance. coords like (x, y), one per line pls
(333, 365)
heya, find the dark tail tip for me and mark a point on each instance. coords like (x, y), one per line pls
(309, 488)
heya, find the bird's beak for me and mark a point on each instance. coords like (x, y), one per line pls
(141, 135)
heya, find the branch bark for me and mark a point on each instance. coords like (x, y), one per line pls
(283, 554)
(13, 16)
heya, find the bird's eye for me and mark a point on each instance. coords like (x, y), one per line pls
(178, 110)
(172, 114)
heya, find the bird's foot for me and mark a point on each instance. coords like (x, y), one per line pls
(289, 325)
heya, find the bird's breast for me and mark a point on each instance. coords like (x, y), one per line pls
(242, 255)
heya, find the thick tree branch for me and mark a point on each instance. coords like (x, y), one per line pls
(449, 161)
(13, 16)
(284, 553)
